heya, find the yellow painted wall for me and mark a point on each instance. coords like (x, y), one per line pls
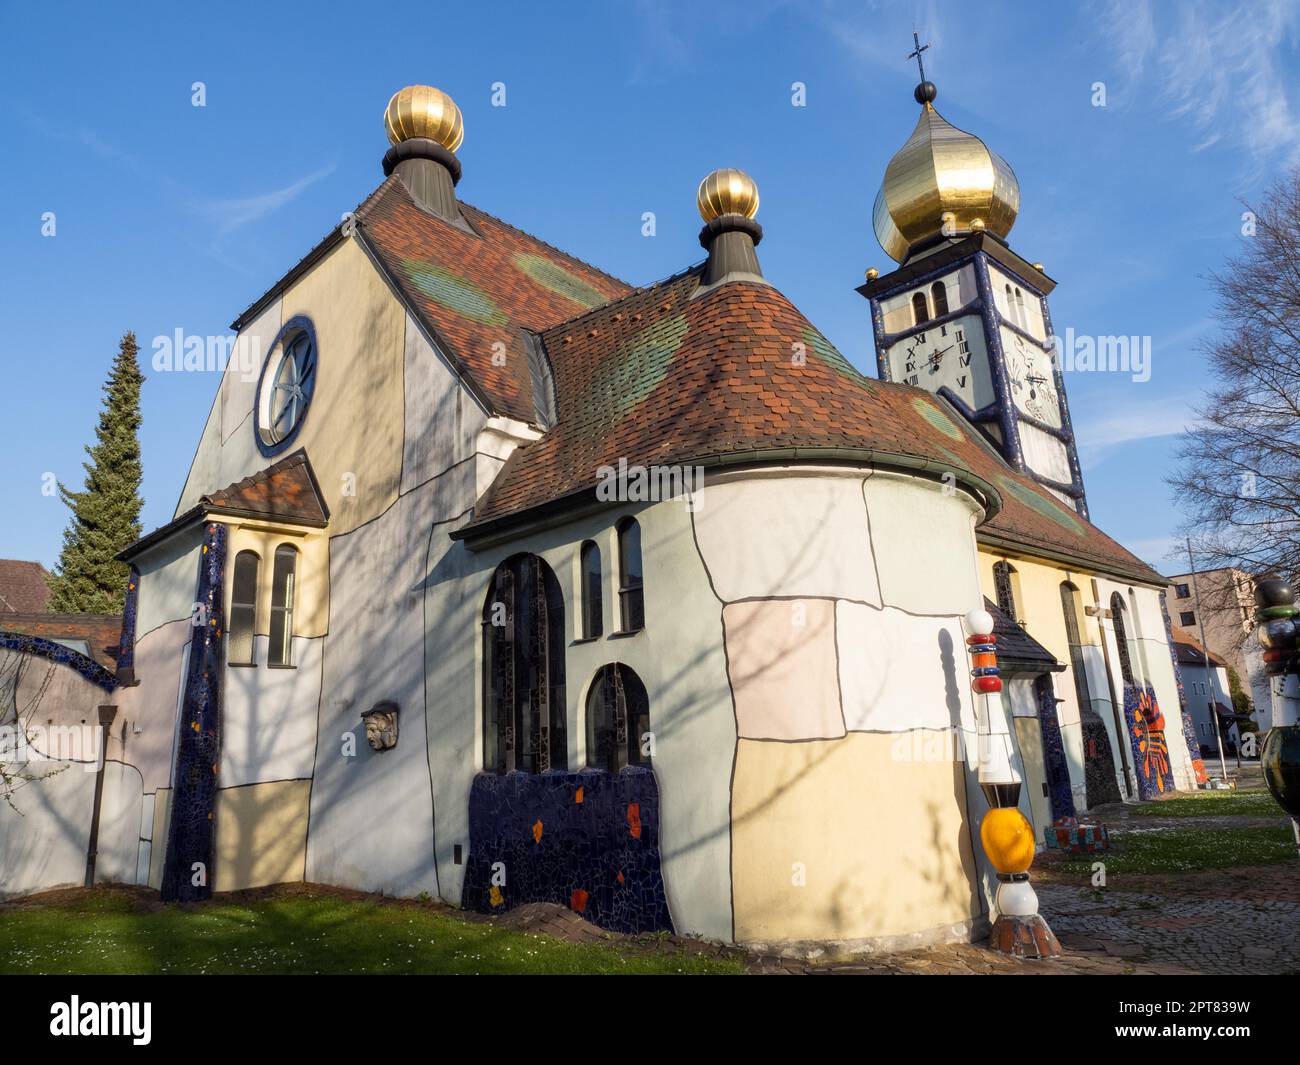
(883, 841)
(311, 607)
(353, 431)
(261, 834)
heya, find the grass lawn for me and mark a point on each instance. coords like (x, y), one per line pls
(107, 932)
(1212, 804)
(1189, 850)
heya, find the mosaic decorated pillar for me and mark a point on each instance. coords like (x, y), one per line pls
(1279, 635)
(1005, 832)
(187, 874)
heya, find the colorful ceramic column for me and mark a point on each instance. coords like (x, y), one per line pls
(1005, 832)
(1279, 635)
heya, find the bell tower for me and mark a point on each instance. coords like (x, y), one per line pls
(963, 315)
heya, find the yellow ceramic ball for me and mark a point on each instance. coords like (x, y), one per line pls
(1008, 840)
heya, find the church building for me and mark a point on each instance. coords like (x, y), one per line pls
(504, 580)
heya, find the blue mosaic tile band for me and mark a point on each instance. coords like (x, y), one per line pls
(198, 748)
(40, 647)
(1059, 793)
(126, 641)
(588, 841)
(1148, 741)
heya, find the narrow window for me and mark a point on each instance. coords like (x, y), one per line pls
(1003, 589)
(631, 597)
(283, 577)
(920, 311)
(1121, 638)
(1070, 609)
(1022, 315)
(940, 293)
(592, 625)
(618, 719)
(243, 608)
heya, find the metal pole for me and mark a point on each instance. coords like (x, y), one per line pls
(1209, 669)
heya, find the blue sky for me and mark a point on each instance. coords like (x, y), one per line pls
(174, 217)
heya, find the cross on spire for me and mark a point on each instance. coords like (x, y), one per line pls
(916, 42)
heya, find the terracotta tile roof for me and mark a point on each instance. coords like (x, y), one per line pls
(1016, 648)
(660, 378)
(1191, 652)
(286, 489)
(479, 292)
(22, 587)
(100, 631)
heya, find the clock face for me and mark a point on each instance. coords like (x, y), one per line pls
(1033, 379)
(951, 355)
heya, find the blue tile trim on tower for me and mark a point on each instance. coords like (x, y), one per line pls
(198, 746)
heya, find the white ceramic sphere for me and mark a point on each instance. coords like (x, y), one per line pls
(1017, 899)
(979, 622)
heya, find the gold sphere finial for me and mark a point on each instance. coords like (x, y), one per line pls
(977, 225)
(1037, 266)
(423, 111)
(872, 273)
(727, 191)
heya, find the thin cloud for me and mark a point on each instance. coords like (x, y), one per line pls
(230, 215)
(1147, 419)
(1219, 70)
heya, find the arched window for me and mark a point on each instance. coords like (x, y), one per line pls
(283, 579)
(592, 602)
(1022, 315)
(1004, 588)
(920, 311)
(1121, 638)
(1099, 761)
(631, 597)
(1070, 601)
(618, 719)
(523, 669)
(939, 292)
(243, 608)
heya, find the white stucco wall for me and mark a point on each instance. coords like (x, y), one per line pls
(269, 716)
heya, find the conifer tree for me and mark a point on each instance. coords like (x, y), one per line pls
(106, 512)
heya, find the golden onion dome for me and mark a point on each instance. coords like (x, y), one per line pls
(942, 174)
(727, 191)
(423, 111)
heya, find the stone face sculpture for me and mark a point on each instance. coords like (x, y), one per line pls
(381, 726)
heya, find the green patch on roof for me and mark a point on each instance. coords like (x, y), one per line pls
(938, 417)
(1048, 507)
(636, 368)
(829, 354)
(552, 275)
(455, 293)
